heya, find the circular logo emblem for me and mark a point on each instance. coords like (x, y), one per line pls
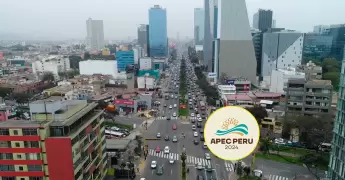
(231, 133)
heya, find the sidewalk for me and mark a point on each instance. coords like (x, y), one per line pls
(285, 154)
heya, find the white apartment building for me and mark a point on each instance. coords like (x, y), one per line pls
(105, 67)
(95, 34)
(53, 64)
(224, 90)
(280, 77)
(145, 63)
(281, 50)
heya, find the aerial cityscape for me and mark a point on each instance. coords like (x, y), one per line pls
(153, 92)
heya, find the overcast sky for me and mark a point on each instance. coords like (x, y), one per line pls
(66, 18)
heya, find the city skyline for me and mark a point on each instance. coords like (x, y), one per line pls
(180, 18)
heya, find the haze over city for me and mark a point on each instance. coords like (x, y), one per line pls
(65, 19)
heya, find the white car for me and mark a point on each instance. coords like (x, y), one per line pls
(199, 119)
(166, 150)
(174, 114)
(153, 164)
(170, 107)
(198, 115)
(192, 114)
(205, 146)
(207, 156)
(196, 134)
(175, 105)
(199, 165)
(158, 135)
(171, 159)
(193, 127)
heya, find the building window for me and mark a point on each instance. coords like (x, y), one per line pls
(33, 156)
(34, 167)
(21, 168)
(35, 178)
(29, 132)
(17, 144)
(22, 178)
(31, 144)
(282, 56)
(4, 156)
(8, 178)
(15, 132)
(19, 156)
(4, 132)
(6, 167)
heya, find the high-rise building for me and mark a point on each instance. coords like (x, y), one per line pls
(274, 23)
(317, 46)
(198, 26)
(234, 50)
(262, 20)
(95, 34)
(207, 44)
(281, 50)
(158, 38)
(338, 33)
(257, 41)
(336, 166)
(124, 59)
(64, 140)
(321, 29)
(214, 25)
(143, 36)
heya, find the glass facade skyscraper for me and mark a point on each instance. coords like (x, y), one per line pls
(336, 170)
(158, 38)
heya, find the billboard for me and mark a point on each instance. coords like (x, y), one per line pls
(230, 82)
(212, 75)
(123, 102)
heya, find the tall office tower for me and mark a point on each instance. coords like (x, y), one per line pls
(274, 23)
(158, 32)
(214, 25)
(338, 33)
(236, 56)
(321, 29)
(198, 26)
(142, 36)
(262, 20)
(95, 34)
(281, 50)
(336, 166)
(207, 45)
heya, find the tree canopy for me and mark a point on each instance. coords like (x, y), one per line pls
(4, 91)
(48, 76)
(258, 112)
(210, 91)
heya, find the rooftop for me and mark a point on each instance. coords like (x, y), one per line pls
(239, 97)
(48, 100)
(320, 82)
(22, 124)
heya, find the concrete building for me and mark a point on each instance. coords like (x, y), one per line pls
(338, 44)
(263, 19)
(274, 23)
(53, 64)
(143, 37)
(158, 38)
(236, 56)
(207, 43)
(321, 29)
(124, 59)
(105, 67)
(146, 82)
(312, 71)
(95, 34)
(64, 140)
(336, 164)
(311, 98)
(279, 79)
(145, 63)
(224, 90)
(257, 41)
(317, 46)
(281, 50)
(214, 26)
(199, 15)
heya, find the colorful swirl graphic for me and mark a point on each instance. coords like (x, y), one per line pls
(240, 129)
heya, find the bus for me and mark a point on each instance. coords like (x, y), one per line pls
(202, 105)
(114, 133)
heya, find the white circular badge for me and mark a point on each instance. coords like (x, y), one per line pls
(231, 133)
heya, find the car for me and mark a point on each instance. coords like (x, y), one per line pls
(175, 97)
(153, 164)
(174, 139)
(198, 125)
(168, 118)
(199, 165)
(159, 171)
(158, 149)
(204, 146)
(193, 127)
(199, 119)
(170, 107)
(198, 116)
(174, 127)
(165, 105)
(196, 134)
(192, 114)
(209, 168)
(201, 131)
(192, 120)
(202, 138)
(158, 135)
(207, 156)
(175, 105)
(196, 142)
(174, 114)
(166, 150)
(257, 173)
(171, 159)
(166, 138)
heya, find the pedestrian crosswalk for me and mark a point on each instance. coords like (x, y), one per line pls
(229, 166)
(161, 154)
(164, 118)
(195, 160)
(276, 177)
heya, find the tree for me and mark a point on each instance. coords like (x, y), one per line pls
(87, 56)
(22, 98)
(265, 145)
(258, 112)
(74, 61)
(334, 77)
(246, 171)
(183, 159)
(4, 91)
(123, 165)
(48, 76)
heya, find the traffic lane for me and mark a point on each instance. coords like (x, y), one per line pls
(221, 171)
(193, 172)
(128, 121)
(187, 142)
(151, 173)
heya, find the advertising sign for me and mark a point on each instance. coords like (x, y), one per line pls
(231, 133)
(230, 82)
(123, 102)
(212, 75)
